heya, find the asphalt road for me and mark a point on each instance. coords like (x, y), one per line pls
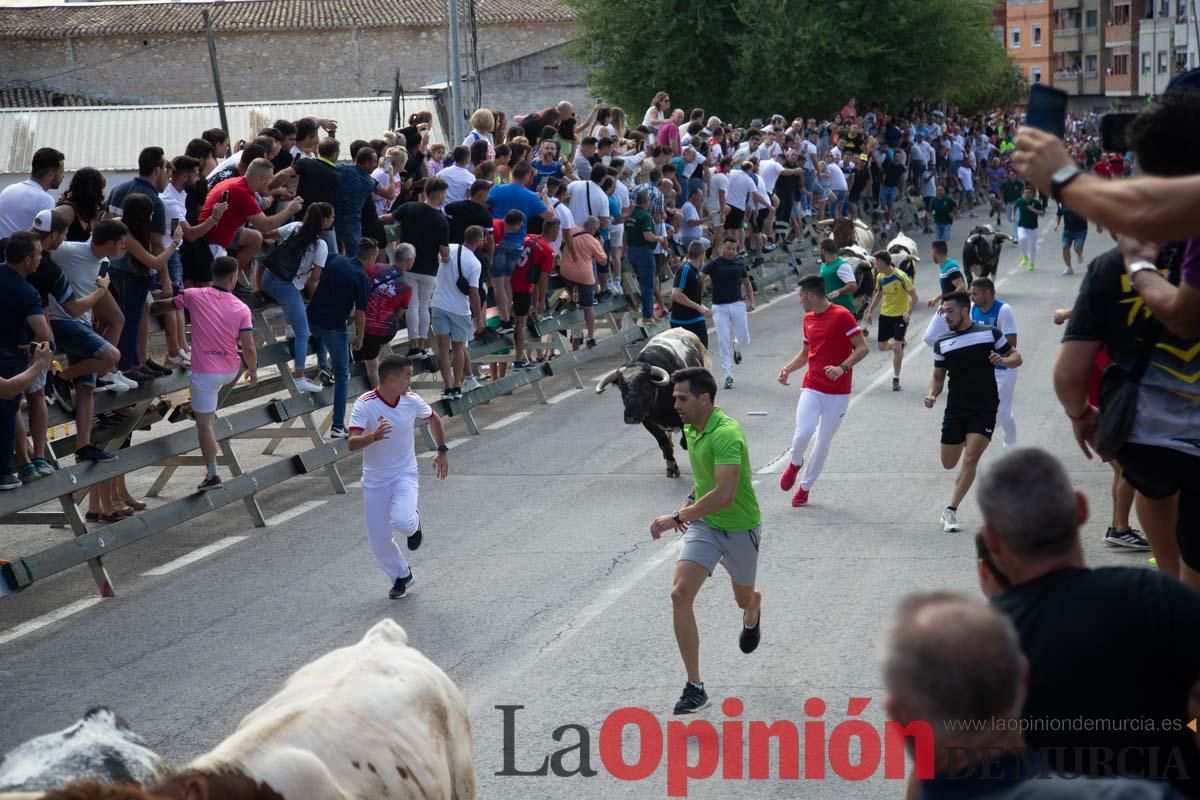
(539, 586)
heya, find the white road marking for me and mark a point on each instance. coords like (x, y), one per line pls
(292, 513)
(558, 398)
(46, 619)
(882, 378)
(453, 443)
(195, 555)
(509, 420)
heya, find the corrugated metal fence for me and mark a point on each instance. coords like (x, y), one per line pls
(110, 137)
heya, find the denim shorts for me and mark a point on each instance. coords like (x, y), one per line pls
(889, 194)
(457, 326)
(79, 341)
(504, 262)
(1076, 238)
(175, 270)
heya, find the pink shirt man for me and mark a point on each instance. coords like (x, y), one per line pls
(218, 318)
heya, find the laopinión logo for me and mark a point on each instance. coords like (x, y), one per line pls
(740, 749)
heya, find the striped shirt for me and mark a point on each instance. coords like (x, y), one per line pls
(964, 355)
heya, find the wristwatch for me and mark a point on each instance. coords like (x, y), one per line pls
(1140, 266)
(1060, 179)
(675, 517)
(441, 448)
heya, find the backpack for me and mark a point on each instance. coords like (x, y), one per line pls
(284, 261)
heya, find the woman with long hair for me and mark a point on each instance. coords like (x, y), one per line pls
(318, 217)
(131, 283)
(617, 121)
(567, 138)
(603, 127)
(657, 114)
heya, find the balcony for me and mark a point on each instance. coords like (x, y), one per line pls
(1065, 32)
(1090, 73)
(1063, 5)
(1118, 34)
(1066, 74)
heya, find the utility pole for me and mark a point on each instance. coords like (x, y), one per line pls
(456, 98)
(216, 73)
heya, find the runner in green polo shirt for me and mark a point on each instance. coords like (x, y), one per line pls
(721, 523)
(840, 284)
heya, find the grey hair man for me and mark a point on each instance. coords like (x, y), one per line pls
(1115, 644)
(956, 681)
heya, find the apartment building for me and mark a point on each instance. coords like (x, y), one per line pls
(1167, 39)
(1028, 38)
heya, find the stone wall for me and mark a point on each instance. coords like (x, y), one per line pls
(273, 66)
(536, 81)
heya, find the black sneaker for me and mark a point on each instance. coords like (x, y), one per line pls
(895, 384)
(591, 343)
(737, 356)
(325, 376)
(89, 452)
(456, 393)
(1131, 539)
(414, 541)
(728, 381)
(338, 432)
(154, 366)
(414, 352)
(506, 328)
(64, 393)
(447, 394)
(9, 482)
(211, 482)
(692, 700)
(400, 587)
(749, 639)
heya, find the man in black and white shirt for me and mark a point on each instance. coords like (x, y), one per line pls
(969, 351)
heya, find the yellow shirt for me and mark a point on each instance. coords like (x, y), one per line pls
(895, 288)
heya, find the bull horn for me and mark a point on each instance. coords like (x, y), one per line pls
(659, 376)
(1006, 237)
(607, 379)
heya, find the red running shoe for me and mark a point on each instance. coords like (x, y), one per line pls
(788, 479)
(800, 498)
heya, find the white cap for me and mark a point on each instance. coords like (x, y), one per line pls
(44, 221)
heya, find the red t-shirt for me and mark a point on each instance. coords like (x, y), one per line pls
(498, 231)
(537, 253)
(243, 204)
(828, 338)
(390, 295)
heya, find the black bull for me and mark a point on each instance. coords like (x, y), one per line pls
(982, 251)
(645, 386)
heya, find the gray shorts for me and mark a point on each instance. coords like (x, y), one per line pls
(736, 550)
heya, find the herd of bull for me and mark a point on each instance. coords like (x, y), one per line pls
(375, 719)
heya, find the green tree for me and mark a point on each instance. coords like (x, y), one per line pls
(747, 58)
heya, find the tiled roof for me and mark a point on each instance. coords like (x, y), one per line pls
(31, 97)
(116, 19)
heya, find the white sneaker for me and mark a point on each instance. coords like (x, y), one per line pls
(179, 361)
(305, 385)
(120, 383)
(186, 355)
(950, 521)
(471, 384)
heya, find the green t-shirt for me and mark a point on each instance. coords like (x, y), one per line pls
(1025, 217)
(640, 222)
(943, 210)
(1011, 191)
(1092, 154)
(834, 281)
(723, 443)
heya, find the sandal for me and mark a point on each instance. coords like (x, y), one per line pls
(136, 505)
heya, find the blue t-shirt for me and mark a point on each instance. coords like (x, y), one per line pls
(18, 300)
(505, 198)
(544, 170)
(139, 185)
(614, 214)
(343, 287)
(352, 194)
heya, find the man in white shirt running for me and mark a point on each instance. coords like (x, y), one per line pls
(382, 423)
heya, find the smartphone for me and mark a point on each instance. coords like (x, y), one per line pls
(225, 196)
(1047, 109)
(1114, 137)
(174, 226)
(103, 268)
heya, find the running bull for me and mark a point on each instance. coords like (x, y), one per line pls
(645, 386)
(982, 251)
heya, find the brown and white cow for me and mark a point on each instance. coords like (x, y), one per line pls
(847, 232)
(375, 719)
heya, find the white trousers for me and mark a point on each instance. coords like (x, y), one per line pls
(820, 414)
(1006, 385)
(733, 328)
(1027, 241)
(418, 309)
(388, 507)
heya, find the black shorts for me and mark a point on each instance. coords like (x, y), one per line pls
(735, 219)
(586, 291)
(956, 426)
(371, 346)
(1158, 472)
(522, 302)
(892, 328)
(759, 221)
